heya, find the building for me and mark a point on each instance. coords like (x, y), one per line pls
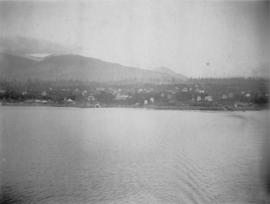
(201, 91)
(208, 98)
(121, 97)
(224, 97)
(91, 98)
(84, 92)
(69, 100)
(185, 90)
(248, 95)
(43, 93)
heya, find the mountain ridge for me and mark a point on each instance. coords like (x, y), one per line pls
(170, 72)
(77, 67)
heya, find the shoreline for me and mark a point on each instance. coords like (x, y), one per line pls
(150, 107)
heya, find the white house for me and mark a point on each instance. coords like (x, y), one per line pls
(84, 92)
(248, 95)
(185, 89)
(201, 91)
(224, 96)
(43, 93)
(121, 97)
(208, 98)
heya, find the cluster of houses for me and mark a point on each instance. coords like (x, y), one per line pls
(192, 94)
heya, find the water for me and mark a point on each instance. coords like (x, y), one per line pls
(70, 155)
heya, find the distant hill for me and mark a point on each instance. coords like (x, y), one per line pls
(16, 67)
(170, 72)
(76, 67)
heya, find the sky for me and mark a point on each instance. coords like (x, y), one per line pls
(195, 38)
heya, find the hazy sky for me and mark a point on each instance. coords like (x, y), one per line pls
(195, 38)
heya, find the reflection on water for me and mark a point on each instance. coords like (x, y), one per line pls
(66, 155)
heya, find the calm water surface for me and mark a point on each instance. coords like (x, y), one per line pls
(70, 155)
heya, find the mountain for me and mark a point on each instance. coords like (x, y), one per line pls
(170, 72)
(16, 67)
(76, 67)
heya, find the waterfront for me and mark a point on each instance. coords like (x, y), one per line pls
(114, 155)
